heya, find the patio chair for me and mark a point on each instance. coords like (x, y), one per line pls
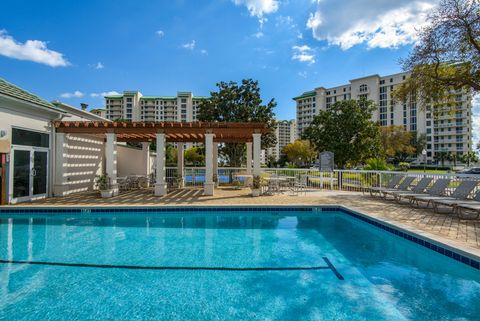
(300, 184)
(403, 186)
(123, 184)
(460, 193)
(419, 188)
(390, 185)
(472, 205)
(437, 188)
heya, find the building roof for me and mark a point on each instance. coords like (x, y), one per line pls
(98, 109)
(306, 94)
(114, 96)
(9, 89)
(158, 98)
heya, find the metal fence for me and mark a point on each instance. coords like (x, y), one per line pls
(344, 180)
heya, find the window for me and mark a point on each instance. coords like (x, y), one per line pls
(129, 100)
(363, 88)
(29, 138)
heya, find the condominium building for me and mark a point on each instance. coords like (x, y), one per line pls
(133, 106)
(102, 112)
(445, 131)
(286, 133)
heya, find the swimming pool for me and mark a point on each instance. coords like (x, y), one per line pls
(225, 264)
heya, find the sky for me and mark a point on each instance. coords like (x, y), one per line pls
(78, 51)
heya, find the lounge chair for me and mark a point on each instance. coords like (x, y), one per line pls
(390, 185)
(460, 193)
(438, 188)
(472, 205)
(403, 186)
(419, 188)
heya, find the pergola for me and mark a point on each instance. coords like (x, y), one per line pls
(209, 133)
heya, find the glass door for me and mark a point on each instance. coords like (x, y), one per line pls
(30, 173)
(39, 172)
(21, 173)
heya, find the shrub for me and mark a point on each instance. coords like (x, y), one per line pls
(102, 182)
(403, 166)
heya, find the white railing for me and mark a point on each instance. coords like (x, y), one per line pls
(344, 180)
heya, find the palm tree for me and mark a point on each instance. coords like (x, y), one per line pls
(470, 157)
(441, 156)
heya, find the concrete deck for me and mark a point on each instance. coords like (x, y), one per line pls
(446, 228)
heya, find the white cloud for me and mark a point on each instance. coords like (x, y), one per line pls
(189, 45)
(258, 34)
(160, 33)
(103, 94)
(476, 120)
(204, 52)
(302, 74)
(303, 54)
(31, 50)
(75, 94)
(258, 8)
(384, 24)
(98, 65)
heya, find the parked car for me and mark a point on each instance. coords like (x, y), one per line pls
(470, 171)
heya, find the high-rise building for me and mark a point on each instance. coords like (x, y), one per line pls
(445, 132)
(133, 106)
(102, 112)
(286, 133)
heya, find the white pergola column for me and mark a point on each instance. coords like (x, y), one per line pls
(180, 163)
(111, 161)
(249, 158)
(257, 150)
(60, 187)
(215, 160)
(160, 183)
(146, 157)
(209, 185)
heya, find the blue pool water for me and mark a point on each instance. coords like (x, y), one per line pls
(224, 266)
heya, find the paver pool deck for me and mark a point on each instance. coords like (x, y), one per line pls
(444, 227)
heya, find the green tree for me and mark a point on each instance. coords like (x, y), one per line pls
(346, 129)
(397, 142)
(194, 155)
(299, 152)
(453, 157)
(447, 55)
(239, 103)
(469, 157)
(441, 156)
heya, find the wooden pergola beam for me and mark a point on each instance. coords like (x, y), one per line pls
(174, 131)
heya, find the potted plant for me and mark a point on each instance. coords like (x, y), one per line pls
(103, 184)
(256, 186)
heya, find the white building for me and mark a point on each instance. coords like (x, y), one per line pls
(132, 105)
(36, 162)
(102, 112)
(448, 132)
(286, 133)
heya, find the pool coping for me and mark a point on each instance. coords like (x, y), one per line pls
(447, 247)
